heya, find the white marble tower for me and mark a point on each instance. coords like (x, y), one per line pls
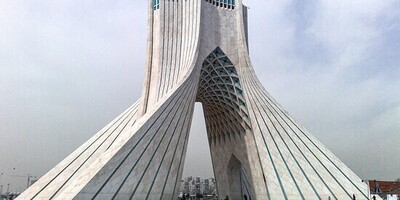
(197, 50)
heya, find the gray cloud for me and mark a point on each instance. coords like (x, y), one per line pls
(333, 65)
(68, 67)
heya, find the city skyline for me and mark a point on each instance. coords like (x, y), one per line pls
(33, 77)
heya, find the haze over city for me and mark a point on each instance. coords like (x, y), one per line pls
(69, 67)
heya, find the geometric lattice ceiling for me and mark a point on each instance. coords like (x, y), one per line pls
(222, 97)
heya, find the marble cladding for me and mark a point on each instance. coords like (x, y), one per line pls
(257, 148)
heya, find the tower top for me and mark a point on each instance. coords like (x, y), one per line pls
(228, 4)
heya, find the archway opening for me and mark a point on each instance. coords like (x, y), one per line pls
(198, 163)
(234, 178)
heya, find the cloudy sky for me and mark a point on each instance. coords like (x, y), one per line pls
(68, 67)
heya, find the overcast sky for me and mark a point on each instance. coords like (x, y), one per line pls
(68, 67)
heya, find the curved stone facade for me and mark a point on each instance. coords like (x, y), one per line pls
(197, 51)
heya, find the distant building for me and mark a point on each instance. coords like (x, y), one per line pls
(384, 188)
(206, 188)
(198, 185)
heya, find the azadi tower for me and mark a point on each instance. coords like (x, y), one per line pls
(197, 51)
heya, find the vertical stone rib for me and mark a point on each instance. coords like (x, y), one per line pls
(149, 61)
(178, 41)
(175, 28)
(166, 49)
